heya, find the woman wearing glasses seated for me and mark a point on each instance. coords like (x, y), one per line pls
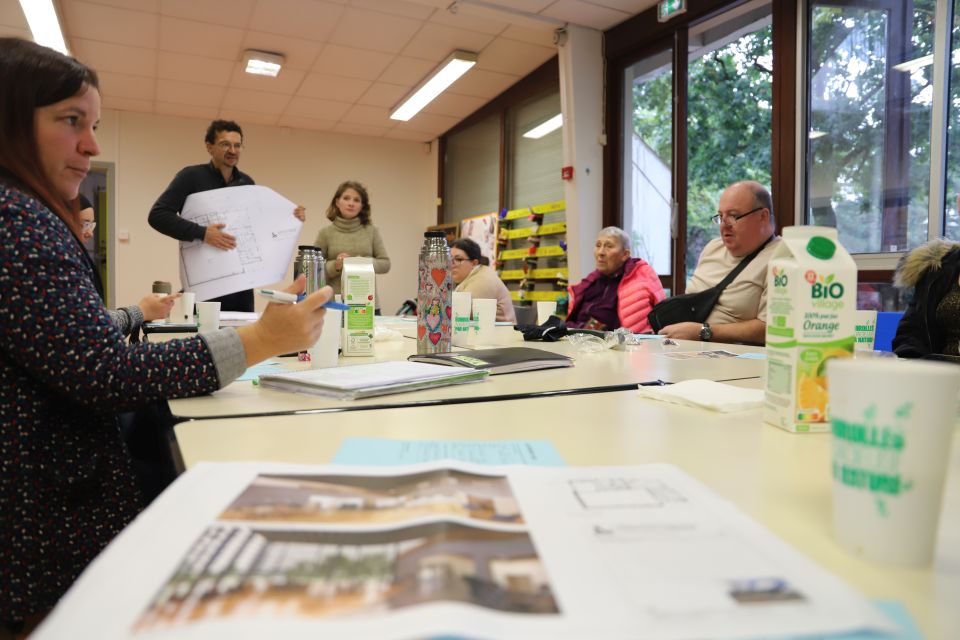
(126, 319)
(478, 279)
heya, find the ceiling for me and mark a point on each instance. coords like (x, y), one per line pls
(348, 62)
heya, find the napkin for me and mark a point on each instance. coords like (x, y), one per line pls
(706, 394)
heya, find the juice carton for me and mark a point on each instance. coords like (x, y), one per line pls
(811, 317)
(358, 283)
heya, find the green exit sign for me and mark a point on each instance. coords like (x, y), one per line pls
(667, 9)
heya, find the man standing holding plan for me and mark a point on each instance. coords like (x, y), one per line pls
(224, 141)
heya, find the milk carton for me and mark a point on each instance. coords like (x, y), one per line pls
(357, 284)
(811, 305)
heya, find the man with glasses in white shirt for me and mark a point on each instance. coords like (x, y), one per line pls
(224, 141)
(746, 222)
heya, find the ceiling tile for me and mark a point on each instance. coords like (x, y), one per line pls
(451, 104)
(186, 111)
(382, 94)
(147, 6)
(122, 85)
(408, 71)
(483, 84)
(127, 104)
(376, 31)
(316, 109)
(306, 123)
(469, 20)
(360, 129)
(285, 83)
(396, 7)
(364, 114)
(632, 7)
(525, 6)
(299, 54)
(435, 42)
(321, 85)
(307, 19)
(228, 13)
(513, 56)
(543, 37)
(243, 117)
(338, 60)
(180, 66)
(585, 14)
(11, 15)
(199, 38)
(413, 136)
(110, 24)
(255, 101)
(14, 32)
(190, 93)
(104, 56)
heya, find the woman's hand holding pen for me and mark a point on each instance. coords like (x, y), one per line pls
(283, 328)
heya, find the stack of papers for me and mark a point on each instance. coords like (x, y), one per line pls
(366, 380)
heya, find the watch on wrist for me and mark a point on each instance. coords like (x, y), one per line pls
(706, 333)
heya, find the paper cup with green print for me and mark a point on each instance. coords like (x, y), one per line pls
(892, 423)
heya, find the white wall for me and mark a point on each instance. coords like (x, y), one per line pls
(304, 166)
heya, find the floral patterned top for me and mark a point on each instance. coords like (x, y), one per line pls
(66, 486)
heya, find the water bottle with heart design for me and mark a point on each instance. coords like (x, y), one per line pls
(434, 294)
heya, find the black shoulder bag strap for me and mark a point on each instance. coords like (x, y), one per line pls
(720, 286)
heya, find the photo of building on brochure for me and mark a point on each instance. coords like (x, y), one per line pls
(376, 500)
(236, 572)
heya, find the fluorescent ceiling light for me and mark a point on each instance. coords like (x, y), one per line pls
(262, 63)
(456, 64)
(813, 135)
(543, 129)
(42, 18)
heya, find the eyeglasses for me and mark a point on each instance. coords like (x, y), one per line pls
(86, 225)
(227, 146)
(732, 218)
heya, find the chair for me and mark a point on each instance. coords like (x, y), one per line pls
(887, 322)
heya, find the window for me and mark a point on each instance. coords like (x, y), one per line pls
(472, 171)
(648, 159)
(533, 164)
(952, 200)
(869, 107)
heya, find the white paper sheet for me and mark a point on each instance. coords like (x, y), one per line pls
(250, 550)
(267, 234)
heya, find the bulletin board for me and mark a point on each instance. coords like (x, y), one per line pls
(483, 231)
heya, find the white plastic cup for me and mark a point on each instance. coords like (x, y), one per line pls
(462, 325)
(485, 319)
(892, 425)
(545, 309)
(325, 353)
(208, 314)
(866, 329)
(185, 311)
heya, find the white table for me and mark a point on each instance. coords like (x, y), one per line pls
(592, 372)
(778, 478)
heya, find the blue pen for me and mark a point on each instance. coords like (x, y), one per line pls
(282, 297)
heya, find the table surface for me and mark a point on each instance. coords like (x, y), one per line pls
(611, 368)
(780, 479)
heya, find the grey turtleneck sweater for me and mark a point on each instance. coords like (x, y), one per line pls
(350, 236)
